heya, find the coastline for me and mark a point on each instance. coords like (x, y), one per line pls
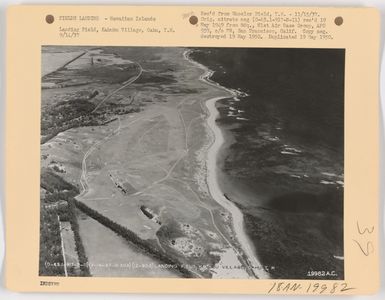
(232, 187)
(286, 180)
(212, 176)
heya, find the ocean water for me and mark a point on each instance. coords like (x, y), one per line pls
(283, 158)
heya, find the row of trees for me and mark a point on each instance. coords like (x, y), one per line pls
(78, 241)
(132, 238)
(51, 258)
(58, 190)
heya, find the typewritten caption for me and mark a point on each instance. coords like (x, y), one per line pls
(264, 25)
(252, 24)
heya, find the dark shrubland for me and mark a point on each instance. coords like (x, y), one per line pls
(52, 209)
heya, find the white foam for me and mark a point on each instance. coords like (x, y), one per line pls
(327, 182)
(272, 139)
(293, 149)
(295, 176)
(212, 180)
(338, 257)
(288, 153)
(329, 174)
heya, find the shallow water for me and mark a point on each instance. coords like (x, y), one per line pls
(283, 151)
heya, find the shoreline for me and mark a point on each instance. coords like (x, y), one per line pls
(219, 210)
(212, 176)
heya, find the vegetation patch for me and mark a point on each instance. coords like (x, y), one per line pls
(144, 245)
(57, 205)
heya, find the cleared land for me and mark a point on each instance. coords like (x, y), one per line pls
(110, 255)
(69, 248)
(137, 154)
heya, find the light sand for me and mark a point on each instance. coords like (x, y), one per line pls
(212, 178)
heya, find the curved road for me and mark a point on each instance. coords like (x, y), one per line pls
(83, 178)
(237, 215)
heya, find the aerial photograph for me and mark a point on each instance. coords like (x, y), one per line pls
(186, 162)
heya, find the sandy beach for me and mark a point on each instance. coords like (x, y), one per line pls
(137, 139)
(212, 178)
(167, 213)
(278, 164)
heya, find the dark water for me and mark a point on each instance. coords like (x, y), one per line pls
(284, 155)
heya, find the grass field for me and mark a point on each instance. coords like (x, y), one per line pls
(151, 158)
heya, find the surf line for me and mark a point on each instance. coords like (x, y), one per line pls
(212, 178)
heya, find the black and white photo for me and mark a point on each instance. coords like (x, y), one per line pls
(171, 162)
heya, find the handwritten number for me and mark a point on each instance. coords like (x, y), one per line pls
(272, 288)
(345, 287)
(366, 230)
(312, 288)
(367, 251)
(332, 291)
(369, 244)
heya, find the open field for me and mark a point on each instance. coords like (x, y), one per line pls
(151, 158)
(112, 256)
(69, 248)
(52, 60)
(143, 169)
